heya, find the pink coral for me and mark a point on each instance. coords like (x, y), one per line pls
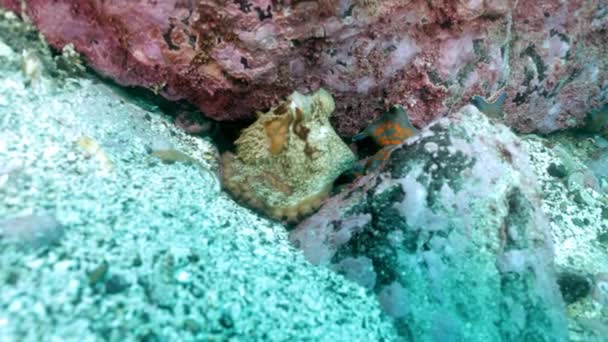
(230, 58)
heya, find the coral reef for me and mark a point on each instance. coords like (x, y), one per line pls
(286, 161)
(230, 58)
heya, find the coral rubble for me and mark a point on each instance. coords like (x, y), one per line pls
(286, 162)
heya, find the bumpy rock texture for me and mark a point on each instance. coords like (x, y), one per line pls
(450, 236)
(230, 58)
(287, 161)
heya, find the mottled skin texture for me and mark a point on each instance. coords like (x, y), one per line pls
(390, 129)
(232, 57)
(287, 161)
(387, 131)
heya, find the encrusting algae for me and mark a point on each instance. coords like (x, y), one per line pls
(287, 161)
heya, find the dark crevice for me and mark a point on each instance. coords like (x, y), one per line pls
(263, 14)
(167, 38)
(530, 51)
(244, 5)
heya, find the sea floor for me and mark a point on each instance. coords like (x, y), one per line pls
(104, 238)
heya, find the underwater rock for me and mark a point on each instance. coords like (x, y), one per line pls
(557, 170)
(597, 119)
(456, 235)
(99, 273)
(32, 231)
(360, 270)
(116, 284)
(599, 164)
(287, 161)
(230, 58)
(573, 286)
(600, 289)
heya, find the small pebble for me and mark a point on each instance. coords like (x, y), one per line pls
(98, 274)
(603, 238)
(226, 320)
(116, 284)
(183, 277)
(160, 144)
(137, 261)
(63, 266)
(600, 288)
(557, 170)
(12, 278)
(576, 180)
(578, 198)
(192, 325)
(32, 231)
(173, 156)
(573, 286)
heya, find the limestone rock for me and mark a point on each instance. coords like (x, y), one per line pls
(455, 233)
